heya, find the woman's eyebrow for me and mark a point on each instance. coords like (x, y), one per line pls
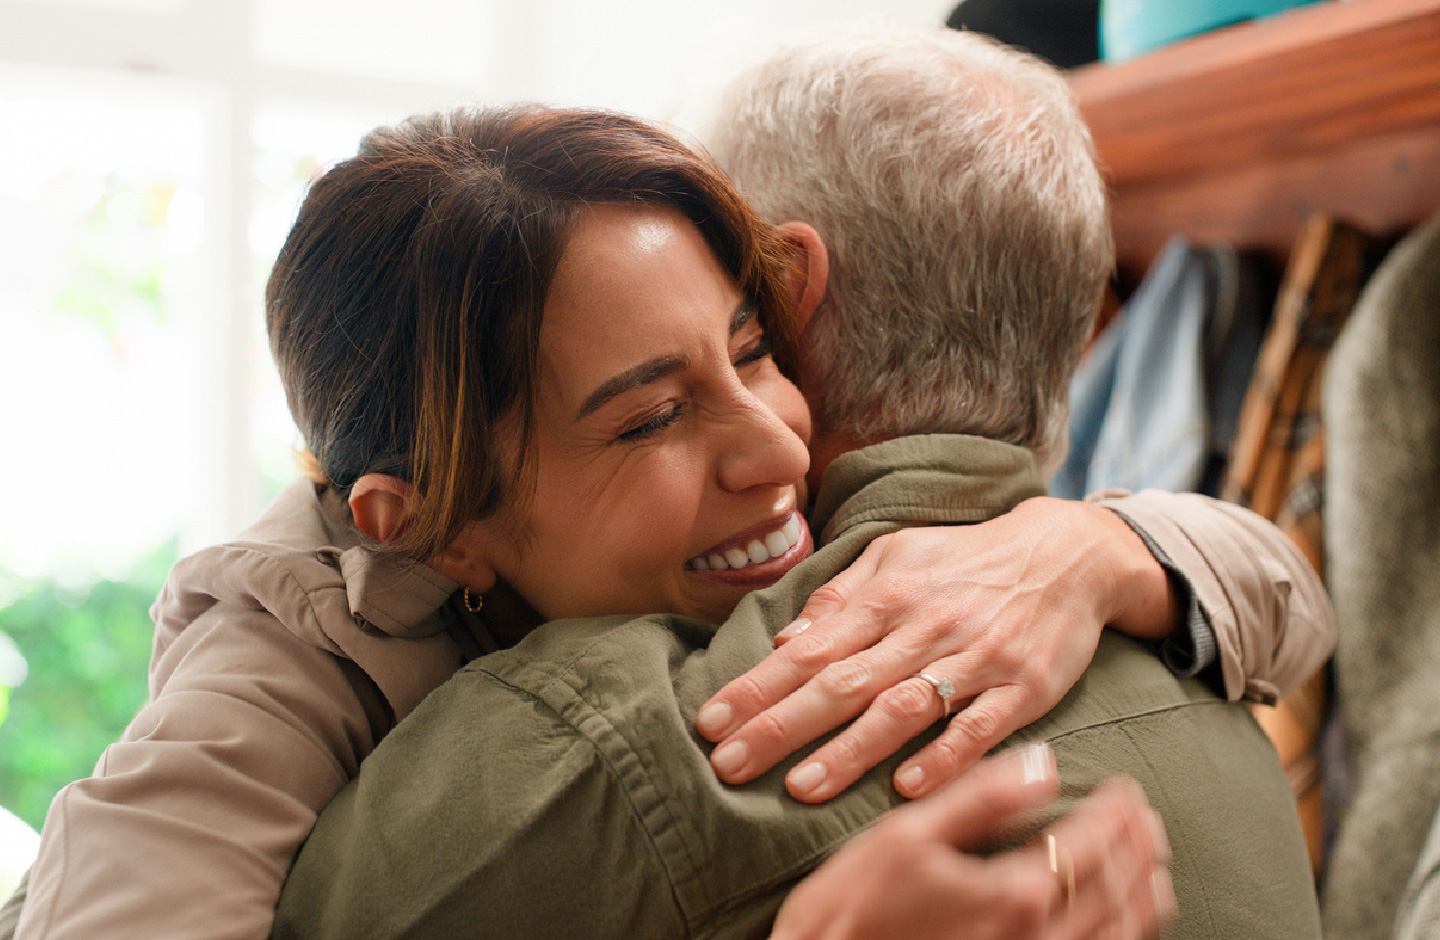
(642, 374)
(658, 368)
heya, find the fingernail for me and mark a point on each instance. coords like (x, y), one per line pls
(1164, 893)
(730, 757)
(1037, 763)
(910, 780)
(807, 777)
(714, 719)
(794, 629)
(1157, 834)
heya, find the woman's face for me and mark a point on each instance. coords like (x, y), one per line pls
(669, 452)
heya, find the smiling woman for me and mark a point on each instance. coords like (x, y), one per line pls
(473, 255)
(658, 400)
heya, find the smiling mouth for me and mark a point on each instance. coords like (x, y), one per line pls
(756, 551)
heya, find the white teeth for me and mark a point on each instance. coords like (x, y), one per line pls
(755, 552)
(777, 544)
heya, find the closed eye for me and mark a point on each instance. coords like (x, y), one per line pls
(762, 348)
(652, 426)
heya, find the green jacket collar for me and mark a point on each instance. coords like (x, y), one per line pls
(924, 478)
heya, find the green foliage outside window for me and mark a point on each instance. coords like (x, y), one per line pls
(88, 650)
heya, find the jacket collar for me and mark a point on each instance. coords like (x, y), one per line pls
(388, 592)
(924, 479)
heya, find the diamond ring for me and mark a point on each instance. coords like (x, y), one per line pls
(943, 687)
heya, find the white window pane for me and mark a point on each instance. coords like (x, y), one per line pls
(442, 41)
(99, 366)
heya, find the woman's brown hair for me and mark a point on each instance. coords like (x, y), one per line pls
(404, 309)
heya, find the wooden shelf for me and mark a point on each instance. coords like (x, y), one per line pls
(1240, 134)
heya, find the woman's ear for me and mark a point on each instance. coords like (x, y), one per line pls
(381, 505)
(468, 562)
(809, 272)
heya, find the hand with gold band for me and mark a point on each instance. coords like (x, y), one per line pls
(919, 873)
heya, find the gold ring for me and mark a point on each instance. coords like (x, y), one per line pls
(1064, 868)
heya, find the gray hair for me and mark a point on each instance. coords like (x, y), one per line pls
(955, 184)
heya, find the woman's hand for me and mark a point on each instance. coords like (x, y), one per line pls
(1009, 612)
(911, 875)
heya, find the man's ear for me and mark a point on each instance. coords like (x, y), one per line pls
(381, 505)
(809, 272)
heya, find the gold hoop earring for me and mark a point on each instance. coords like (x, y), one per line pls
(473, 603)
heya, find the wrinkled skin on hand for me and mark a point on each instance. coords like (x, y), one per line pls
(912, 875)
(1008, 611)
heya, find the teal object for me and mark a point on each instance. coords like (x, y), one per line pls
(1130, 28)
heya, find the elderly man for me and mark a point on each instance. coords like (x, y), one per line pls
(558, 788)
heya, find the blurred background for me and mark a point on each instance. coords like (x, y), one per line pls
(152, 154)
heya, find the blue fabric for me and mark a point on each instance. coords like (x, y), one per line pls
(1157, 401)
(1138, 409)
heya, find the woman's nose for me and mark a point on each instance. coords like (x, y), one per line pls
(762, 449)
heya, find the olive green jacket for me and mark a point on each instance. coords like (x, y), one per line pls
(558, 789)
